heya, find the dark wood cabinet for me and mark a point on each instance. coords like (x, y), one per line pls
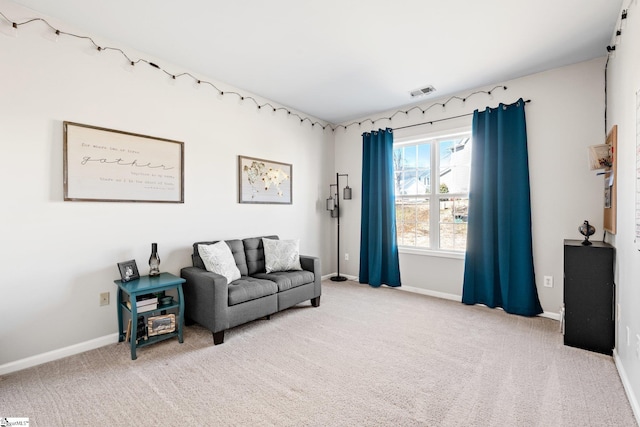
(589, 296)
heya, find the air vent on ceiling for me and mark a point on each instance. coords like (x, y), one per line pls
(422, 91)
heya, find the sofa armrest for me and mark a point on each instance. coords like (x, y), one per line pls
(206, 295)
(312, 264)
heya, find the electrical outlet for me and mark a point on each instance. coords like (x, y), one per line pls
(346, 257)
(548, 281)
(104, 298)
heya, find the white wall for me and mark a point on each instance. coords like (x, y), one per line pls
(57, 257)
(623, 78)
(565, 116)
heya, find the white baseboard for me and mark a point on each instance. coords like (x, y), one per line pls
(633, 400)
(330, 275)
(436, 294)
(550, 315)
(113, 338)
(454, 297)
(60, 353)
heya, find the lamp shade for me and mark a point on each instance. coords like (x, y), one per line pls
(347, 193)
(330, 204)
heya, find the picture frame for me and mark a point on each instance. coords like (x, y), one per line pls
(264, 181)
(159, 325)
(107, 165)
(128, 270)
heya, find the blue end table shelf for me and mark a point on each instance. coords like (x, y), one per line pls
(149, 285)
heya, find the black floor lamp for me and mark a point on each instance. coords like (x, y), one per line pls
(333, 205)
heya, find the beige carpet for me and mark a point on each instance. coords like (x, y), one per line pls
(365, 357)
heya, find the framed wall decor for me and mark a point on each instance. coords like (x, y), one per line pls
(264, 181)
(114, 166)
(128, 270)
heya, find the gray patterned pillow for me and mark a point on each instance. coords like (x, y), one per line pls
(281, 255)
(219, 259)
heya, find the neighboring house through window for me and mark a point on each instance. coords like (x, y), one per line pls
(432, 190)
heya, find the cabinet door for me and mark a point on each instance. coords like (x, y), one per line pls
(589, 298)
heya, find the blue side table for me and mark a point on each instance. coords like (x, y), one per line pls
(149, 285)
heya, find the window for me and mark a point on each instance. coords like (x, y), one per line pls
(432, 176)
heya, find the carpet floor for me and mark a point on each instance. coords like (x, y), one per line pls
(365, 357)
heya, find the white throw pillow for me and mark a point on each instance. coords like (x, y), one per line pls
(218, 258)
(281, 255)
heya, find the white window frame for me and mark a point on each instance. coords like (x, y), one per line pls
(433, 138)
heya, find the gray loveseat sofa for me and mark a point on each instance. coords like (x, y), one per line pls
(217, 305)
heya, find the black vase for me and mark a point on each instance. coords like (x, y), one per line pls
(154, 261)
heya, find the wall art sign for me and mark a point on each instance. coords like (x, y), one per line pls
(115, 166)
(264, 181)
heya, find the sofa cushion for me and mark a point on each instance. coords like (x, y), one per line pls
(254, 252)
(250, 288)
(237, 249)
(288, 279)
(281, 255)
(219, 259)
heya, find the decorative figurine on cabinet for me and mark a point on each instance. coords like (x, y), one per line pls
(586, 230)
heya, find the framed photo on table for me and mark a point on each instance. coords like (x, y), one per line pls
(158, 325)
(128, 270)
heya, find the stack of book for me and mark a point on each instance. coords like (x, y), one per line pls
(145, 303)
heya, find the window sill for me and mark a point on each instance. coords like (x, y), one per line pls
(430, 252)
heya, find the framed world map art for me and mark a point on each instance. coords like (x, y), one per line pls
(264, 181)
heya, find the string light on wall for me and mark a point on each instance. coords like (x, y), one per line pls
(620, 25)
(12, 31)
(443, 105)
(616, 39)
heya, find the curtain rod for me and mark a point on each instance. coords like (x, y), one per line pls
(441, 120)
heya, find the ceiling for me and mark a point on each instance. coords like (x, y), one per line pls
(339, 60)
